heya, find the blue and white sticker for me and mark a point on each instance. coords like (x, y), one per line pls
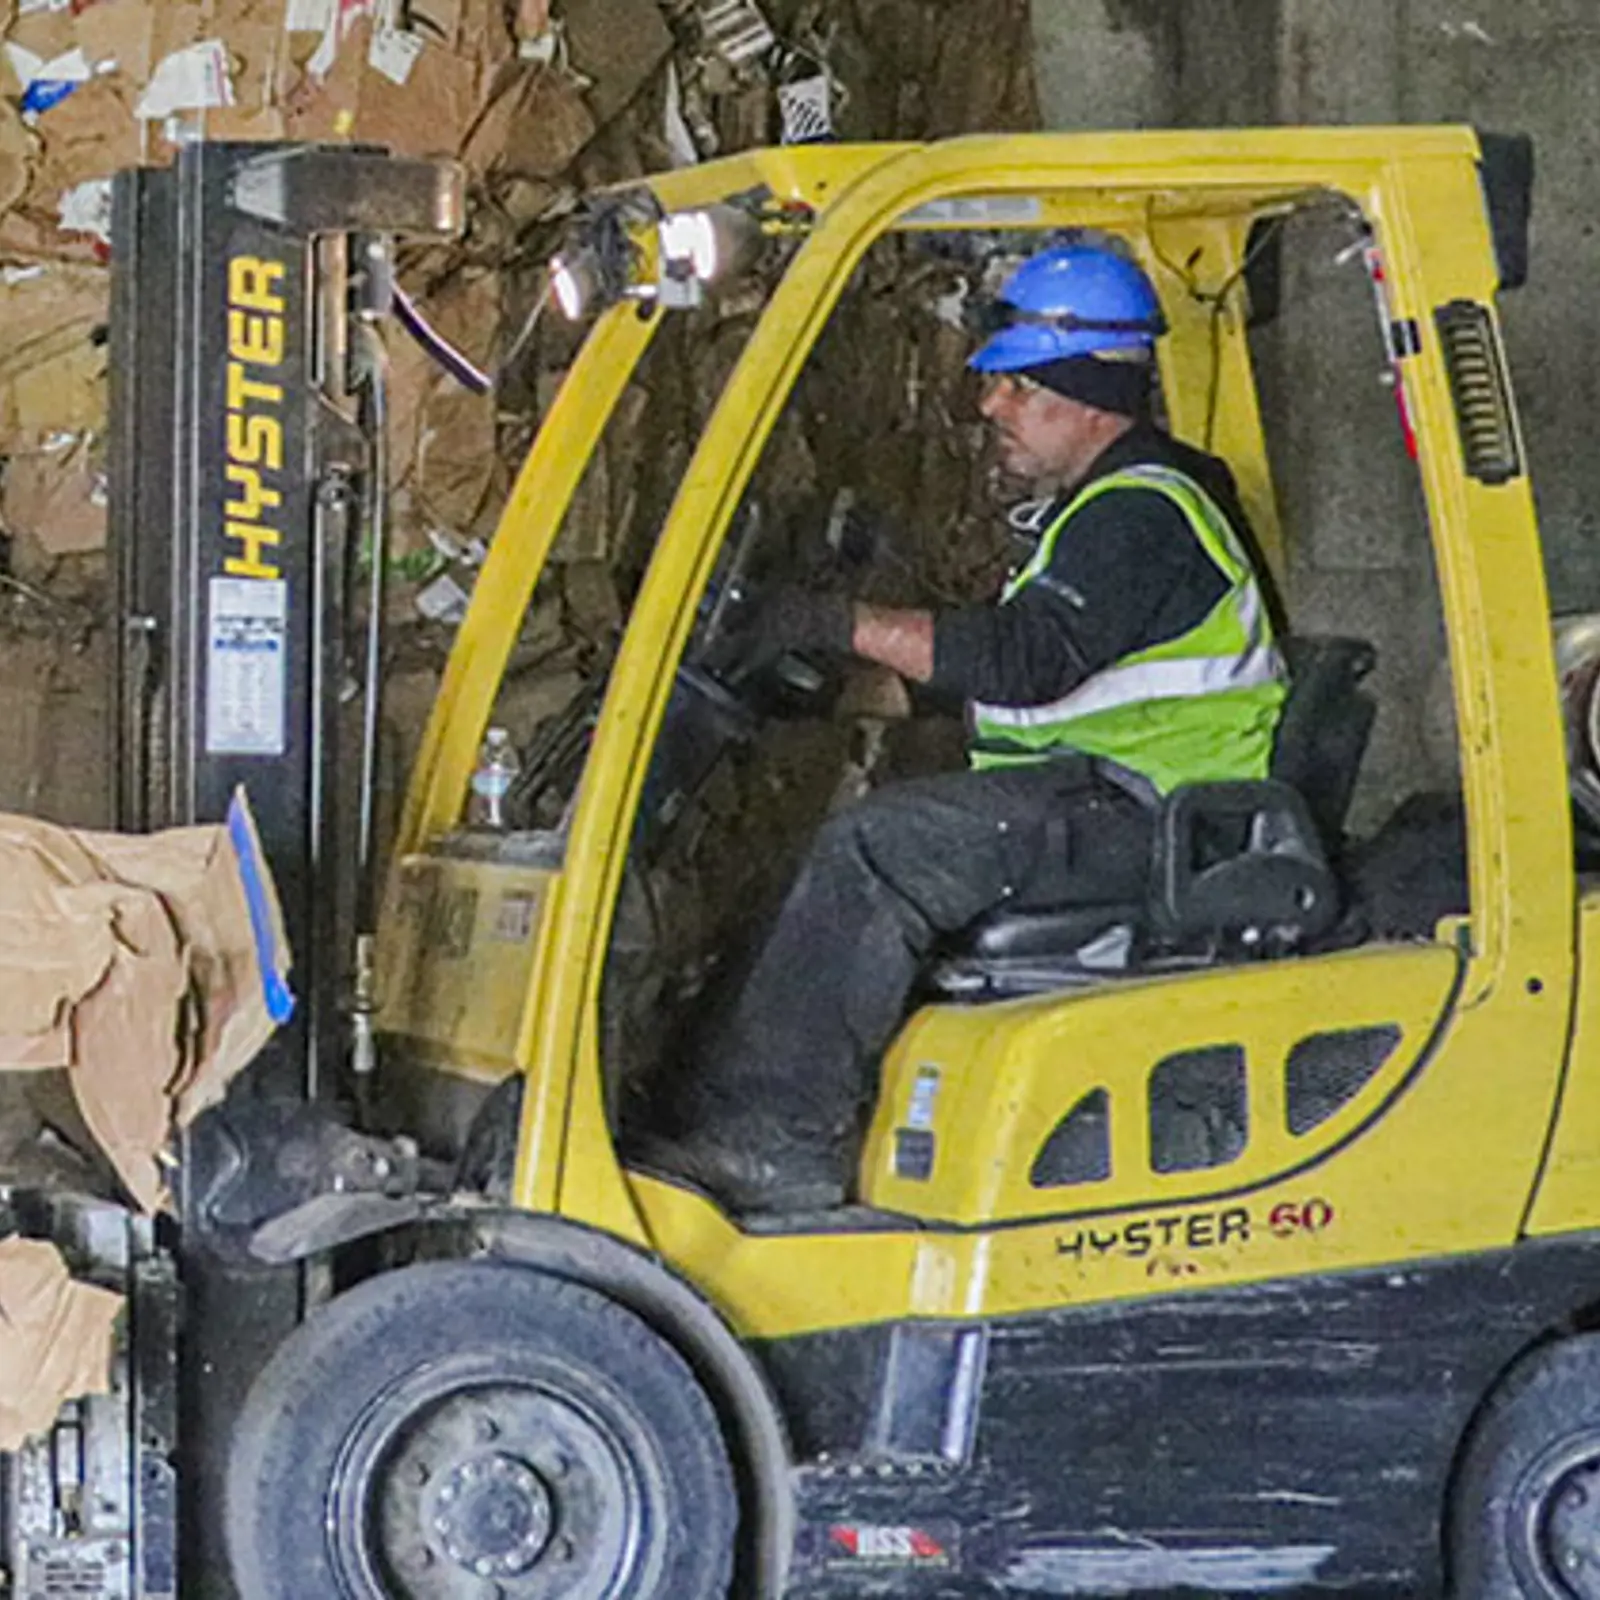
(247, 667)
(924, 1096)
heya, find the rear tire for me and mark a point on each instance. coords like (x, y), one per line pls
(455, 1431)
(1525, 1515)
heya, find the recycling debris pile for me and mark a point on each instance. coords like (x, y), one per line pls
(539, 98)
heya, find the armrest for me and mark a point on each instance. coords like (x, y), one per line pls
(1241, 862)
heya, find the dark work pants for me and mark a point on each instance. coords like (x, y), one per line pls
(884, 879)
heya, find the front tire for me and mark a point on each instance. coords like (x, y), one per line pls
(462, 1430)
(1525, 1517)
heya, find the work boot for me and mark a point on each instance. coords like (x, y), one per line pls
(750, 1166)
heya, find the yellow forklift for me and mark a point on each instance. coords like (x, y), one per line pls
(1259, 1256)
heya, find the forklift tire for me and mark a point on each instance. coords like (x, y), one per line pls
(1525, 1515)
(467, 1428)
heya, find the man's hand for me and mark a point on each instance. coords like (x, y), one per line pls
(787, 620)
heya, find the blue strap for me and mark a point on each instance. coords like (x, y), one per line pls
(252, 874)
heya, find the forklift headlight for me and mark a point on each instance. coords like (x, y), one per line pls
(699, 247)
(689, 245)
(573, 282)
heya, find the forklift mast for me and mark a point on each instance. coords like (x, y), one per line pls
(246, 475)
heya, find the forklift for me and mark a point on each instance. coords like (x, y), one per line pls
(1223, 1243)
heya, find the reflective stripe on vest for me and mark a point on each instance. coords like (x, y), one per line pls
(1199, 707)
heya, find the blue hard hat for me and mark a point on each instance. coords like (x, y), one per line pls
(1073, 300)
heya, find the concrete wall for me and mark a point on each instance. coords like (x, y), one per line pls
(1514, 65)
(1104, 63)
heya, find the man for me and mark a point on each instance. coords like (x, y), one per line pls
(1133, 651)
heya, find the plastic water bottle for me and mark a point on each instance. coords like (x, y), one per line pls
(497, 768)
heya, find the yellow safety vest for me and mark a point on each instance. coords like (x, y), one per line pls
(1200, 707)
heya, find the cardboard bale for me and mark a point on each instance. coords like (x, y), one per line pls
(119, 35)
(50, 306)
(323, 107)
(175, 25)
(53, 491)
(464, 309)
(535, 123)
(594, 608)
(253, 32)
(195, 873)
(91, 134)
(617, 44)
(133, 960)
(56, 1337)
(19, 150)
(430, 113)
(442, 437)
(533, 19)
(45, 32)
(482, 30)
(52, 371)
(61, 389)
(438, 21)
(456, 454)
(30, 238)
(246, 125)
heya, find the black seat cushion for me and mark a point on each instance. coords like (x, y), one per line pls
(1007, 935)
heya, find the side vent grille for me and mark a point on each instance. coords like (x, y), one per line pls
(1079, 1150)
(1326, 1071)
(1480, 391)
(1199, 1109)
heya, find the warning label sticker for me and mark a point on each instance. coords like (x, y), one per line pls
(862, 1546)
(247, 666)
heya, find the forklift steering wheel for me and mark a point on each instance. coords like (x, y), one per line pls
(729, 597)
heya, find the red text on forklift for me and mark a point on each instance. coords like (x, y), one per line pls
(1194, 1230)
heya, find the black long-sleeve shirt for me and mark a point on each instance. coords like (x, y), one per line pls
(1127, 573)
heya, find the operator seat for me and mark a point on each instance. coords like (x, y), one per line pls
(1236, 869)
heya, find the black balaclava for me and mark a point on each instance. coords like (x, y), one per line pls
(1119, 386)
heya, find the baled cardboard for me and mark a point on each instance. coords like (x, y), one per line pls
(133, 961)
(55, 1338)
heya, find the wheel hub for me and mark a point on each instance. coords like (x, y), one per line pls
(1573, 1529)
(501, 1489)
(492, 1515)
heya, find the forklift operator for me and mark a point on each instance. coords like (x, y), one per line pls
(1131, 653)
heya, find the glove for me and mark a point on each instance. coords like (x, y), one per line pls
(788, 619)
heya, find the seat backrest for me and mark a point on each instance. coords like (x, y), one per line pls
(1326, 722)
